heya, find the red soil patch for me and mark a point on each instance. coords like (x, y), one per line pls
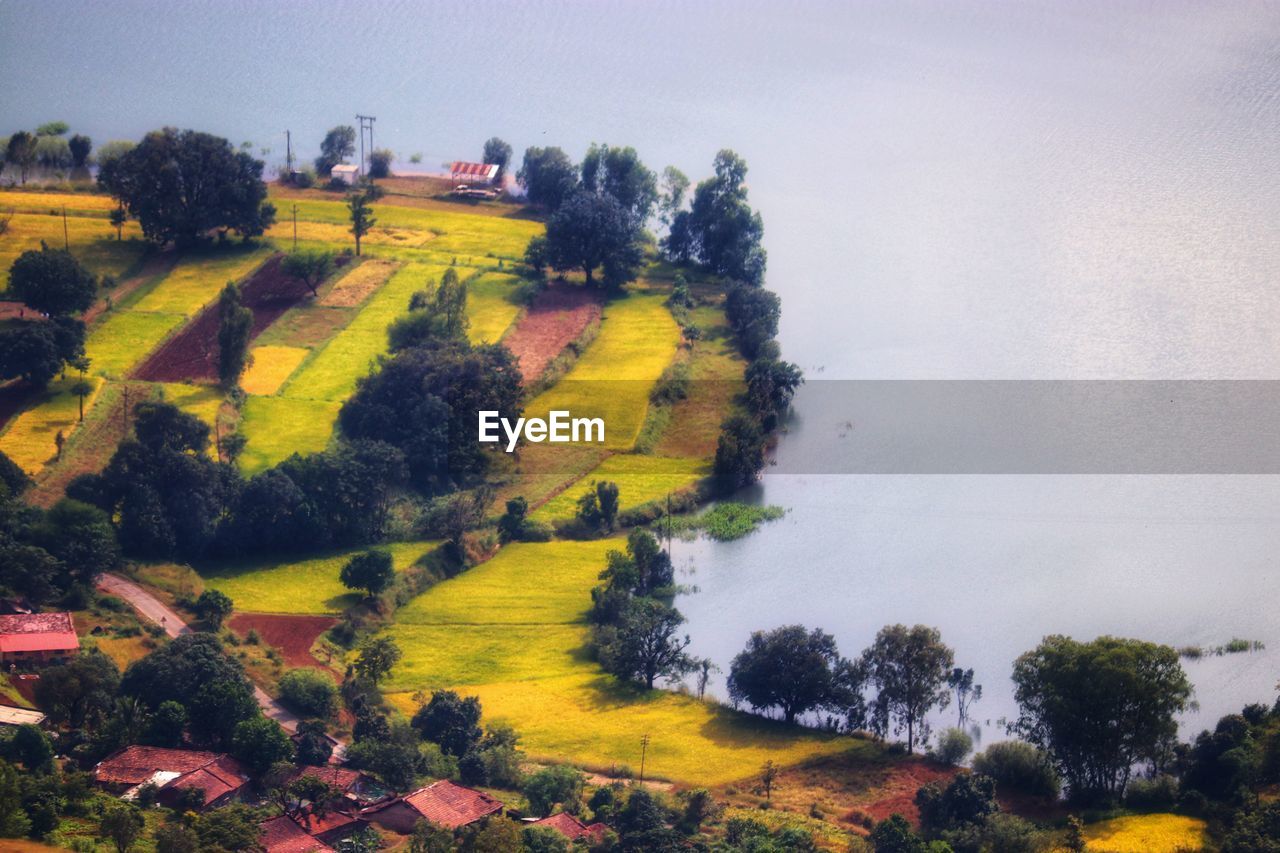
(192, 354)
(896, 793)
(292, 635)
(556, 318)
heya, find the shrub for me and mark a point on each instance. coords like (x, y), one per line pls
(1018, 766)
(309, 692)
(954, 746)
(1156, 795)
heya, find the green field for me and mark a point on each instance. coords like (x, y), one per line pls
(117, 344)
(300, 586)
(199, 277)
(92, 241)
(202, 401)
(613, 378)
(640, 479)
(29, 440)
(278, 427)
(512, 632)
(492, 306)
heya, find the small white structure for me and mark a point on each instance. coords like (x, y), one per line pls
(19, 716)
(346, 173)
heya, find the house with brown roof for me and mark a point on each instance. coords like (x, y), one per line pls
(37, 638)
(331, 825)
(443, 803)
(357, 787)
(282, 835)
(217, 776)
(572, 828)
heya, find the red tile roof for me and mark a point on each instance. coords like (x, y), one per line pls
(332, 820)
(134, 765)
(224, 775)
(565, 824)
(37, 632)
(477, 170)
(282, 835)
(449, 805)
(339, 777)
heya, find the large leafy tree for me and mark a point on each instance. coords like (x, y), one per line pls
(618, 172)
(548, 176)
(721, 230)
(909, 668)
(36, 351)
(181, 184)
(796, 671)
(80, 692)
(644, 643)
(497, 152)
(1099, 708)
(371, 571)
(52, 282)
(235, 327)
(753, 313)
(338, 144)
(450, 721)
(591, 231)
(21, 152)
(644, 569)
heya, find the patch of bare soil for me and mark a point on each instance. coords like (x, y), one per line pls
(293, 635)
(556, 318)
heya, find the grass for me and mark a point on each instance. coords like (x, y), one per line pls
(613, 378)
(124, 338)
(512, 632)
(202, 401)
(92, 241)
(278, 427)
(300, 586)
(271, 366)
(640, 479)
(355, 286)
(30, 439)
(715, 372)
(1152, 833)
(332, 373)
(198, 278)
(492, 306)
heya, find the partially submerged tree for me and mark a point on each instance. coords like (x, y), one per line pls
(796, 671)
(909, 668)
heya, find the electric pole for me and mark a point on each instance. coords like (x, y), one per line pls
(288, 153)
(644, 749)
(366, 123)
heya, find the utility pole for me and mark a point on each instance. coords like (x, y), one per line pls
(288, 153)
(644, 749)
(366, 123)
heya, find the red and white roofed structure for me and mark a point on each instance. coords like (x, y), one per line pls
(473, 173)
(37, 638)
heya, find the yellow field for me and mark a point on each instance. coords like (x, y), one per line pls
(199, 277)
(278, 427)
(512, 632)
(613, 378)
(491, 306)
(332, 373)
(1153, 833)
(92, 241)
(303, 586)
(29, 439)
(202, 401)
(354, 287)
(270, 368)
(328, 232)
(640, 479)
(44, 202)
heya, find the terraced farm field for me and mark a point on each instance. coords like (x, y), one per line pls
(512, 631)
(492, 306)
(29, 439)
(270, 367)
(300, 586)
(640, 479)
(92, 241)
(278, 427)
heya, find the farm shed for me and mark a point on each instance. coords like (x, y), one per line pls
(37, 638)
(473, 173)
(346, 173)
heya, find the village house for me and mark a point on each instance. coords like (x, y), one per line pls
(218, 777)
(356, 787)
(331, 825)
(572, 828)
(37, 638)
(282, 835)
(443, 803)
(345, 173)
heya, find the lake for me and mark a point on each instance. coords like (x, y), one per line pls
(958, 190)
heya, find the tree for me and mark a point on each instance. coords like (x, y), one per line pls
(14, 822)
(1254, 830)
(233, 827)
(771, 384)
(894, 835)
(954, 746)
(371, 571)
(589, 231)
(122, 825)
(440, 316)
(429, 838)
(558, 785)
(598, 506)
(739, 452)
(81, 538)
(338, 144)
(643, 645)
(395, 756)
(260, 742)
(21, 152)
(724, 231)
(753, 314)
(180, 185)
(377, 657)
(193, 671)
(53, 128)
(167, 724)
(213, 606)
(80, 146)
(548, 176)
(671, 199)
(497, 152)
(52, 282)
(909, 668)
(511, 526)
(497, 836)
(644, 570)
(314, 748)
(380, 163)
(1099, 708)
(768, 775)
(36, 351)
(176, 838)
(796, 671)
(968, 799)
(119, 216)
(13, 479)
(82, 388)
(618, 172)
(81, 692)
(450, 721)
(362, 219)
(309, 692)
(235, 328)
(311, 266)
(31, 748)
(961, 681)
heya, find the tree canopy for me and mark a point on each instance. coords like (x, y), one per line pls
(720, 229)
(909, 668)
(181, 184)
(591, 231)
(370, 570)
(52, 282)
(796, 671)
(548, 176)
(338, 144)
(497, 152)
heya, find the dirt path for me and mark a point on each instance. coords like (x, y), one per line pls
(153, 609)
(556, 318)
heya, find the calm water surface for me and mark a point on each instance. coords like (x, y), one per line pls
(951, 190)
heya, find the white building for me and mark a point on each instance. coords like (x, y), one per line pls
(346, 173)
